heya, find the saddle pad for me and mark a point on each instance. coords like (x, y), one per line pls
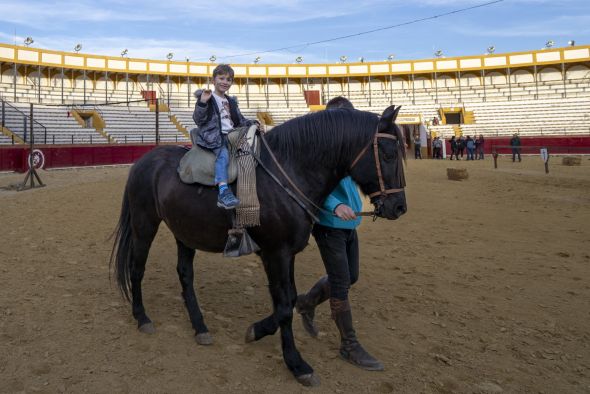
(198, 164)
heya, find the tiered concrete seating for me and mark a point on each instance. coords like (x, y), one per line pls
(443, 131)
(185, 117)
(279, 109)
(138, 124)
(53, 95)
(60, 126)
(566, 116)
(548, 107)
(4, 140)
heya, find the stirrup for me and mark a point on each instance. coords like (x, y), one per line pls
(239, 243)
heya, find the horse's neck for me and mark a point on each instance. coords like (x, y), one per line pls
(313, 178)
(318, 182)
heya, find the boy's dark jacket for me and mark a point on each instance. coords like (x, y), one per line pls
(206, 116)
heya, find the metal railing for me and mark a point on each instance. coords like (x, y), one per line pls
(18, 122)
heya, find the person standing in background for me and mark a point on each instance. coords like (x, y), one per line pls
(515, 144)
(479, 144)
(417, 147)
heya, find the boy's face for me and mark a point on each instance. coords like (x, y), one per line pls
(222, 83)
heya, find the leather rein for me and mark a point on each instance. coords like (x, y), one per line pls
(383, 192)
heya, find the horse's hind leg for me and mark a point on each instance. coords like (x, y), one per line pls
(141, 248)
(186, 276)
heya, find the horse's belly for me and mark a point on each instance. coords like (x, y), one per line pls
(199, 234)
(195, 220)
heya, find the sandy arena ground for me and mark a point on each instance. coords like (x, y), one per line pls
(482, 287)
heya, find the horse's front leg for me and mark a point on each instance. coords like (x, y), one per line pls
(279, 267)
(186, 277)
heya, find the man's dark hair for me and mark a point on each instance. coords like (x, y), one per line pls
(223, 69)
(339, 102)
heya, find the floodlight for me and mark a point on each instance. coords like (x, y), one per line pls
(438, 53)
(491, 49)
(212, 58)
(549, 44)
(29, 41)
(343, 58)
(571, 43)
(188, 59)
(257, 59)
(391, 57)
(361, 59)
(299, 59)
(124, 52)
(169, 56)
(78, 48)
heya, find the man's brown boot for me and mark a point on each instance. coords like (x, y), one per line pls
(350, 348)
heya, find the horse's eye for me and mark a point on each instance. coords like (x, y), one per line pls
(387, 152)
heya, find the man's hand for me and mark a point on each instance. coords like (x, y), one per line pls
(344, 212)
(205, 96)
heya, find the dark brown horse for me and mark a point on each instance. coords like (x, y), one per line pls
(316, 151)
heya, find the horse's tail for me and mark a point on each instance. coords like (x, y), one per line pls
(122, 254)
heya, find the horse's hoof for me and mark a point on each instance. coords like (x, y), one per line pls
(309, 380)
(250, 334)
(148, 328)
(204, 339)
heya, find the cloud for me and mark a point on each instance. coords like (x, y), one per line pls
(245, 12)
(250, 28)
(40, 13)
(271, 11)
(560, 26)
(148, 48)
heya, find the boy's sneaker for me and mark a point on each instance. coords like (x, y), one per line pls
(227, 200)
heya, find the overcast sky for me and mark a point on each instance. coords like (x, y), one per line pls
(237, 31)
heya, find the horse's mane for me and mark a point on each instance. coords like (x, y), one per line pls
(307, 137)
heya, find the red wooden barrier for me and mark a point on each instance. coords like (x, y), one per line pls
(15, 158)
(556, 145)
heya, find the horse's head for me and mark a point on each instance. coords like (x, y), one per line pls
(378, 168)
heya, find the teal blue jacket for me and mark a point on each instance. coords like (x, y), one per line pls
(345, 193)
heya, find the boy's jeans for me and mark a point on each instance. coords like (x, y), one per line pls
(221, 162)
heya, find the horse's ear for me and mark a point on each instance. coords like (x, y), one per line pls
(388, 117)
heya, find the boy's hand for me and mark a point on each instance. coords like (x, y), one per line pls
(344, 212)
(205, 96)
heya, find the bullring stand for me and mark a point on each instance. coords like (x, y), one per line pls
(32, 173)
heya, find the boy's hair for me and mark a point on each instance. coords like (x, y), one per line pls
(223, 69)
(339, 102)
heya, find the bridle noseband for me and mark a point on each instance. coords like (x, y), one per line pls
(383, 192)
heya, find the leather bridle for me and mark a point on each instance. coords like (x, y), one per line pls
(383, 192)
